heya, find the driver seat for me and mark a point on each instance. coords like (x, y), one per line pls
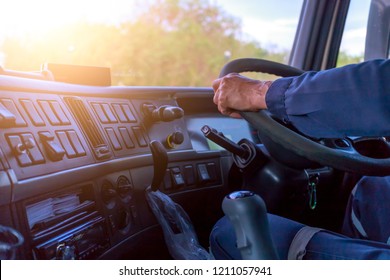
(294, 240)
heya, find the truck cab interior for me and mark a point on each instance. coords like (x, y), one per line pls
(78, 155)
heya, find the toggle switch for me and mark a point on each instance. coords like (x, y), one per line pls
(53, 149)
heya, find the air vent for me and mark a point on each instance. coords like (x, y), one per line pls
(88, 125)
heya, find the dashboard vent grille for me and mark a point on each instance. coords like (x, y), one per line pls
(89, 127)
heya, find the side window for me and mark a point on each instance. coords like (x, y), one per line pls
(354, 36)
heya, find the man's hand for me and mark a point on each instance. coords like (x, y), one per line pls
(234, 92)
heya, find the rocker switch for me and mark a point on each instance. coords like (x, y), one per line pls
(6, 117)
(19, 150)
(203, 173)
(32, 148)
(177, 177)
(54, 150)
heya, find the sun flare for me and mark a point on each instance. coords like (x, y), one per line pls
(20, 17)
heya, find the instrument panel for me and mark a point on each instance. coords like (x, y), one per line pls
(75, 163)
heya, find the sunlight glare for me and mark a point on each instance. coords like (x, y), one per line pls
(20, 17)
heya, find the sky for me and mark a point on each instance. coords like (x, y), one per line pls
(272, 23)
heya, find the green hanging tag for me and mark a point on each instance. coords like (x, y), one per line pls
(313, 180)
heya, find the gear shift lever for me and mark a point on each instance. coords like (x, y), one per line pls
(248, 214)
(160, 163)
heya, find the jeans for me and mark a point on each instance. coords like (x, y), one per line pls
(366, 229)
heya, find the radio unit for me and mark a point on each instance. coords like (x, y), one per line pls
(86, 241)
(67, 225)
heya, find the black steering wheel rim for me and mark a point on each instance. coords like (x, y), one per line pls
(345, 160)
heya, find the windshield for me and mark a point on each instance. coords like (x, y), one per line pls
(172, 42)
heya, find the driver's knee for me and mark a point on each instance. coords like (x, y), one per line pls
(368, 210)
(223, 238)
(323, 245)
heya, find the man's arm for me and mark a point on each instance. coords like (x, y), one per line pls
(353, 100)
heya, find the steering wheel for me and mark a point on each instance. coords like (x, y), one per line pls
(302, 151)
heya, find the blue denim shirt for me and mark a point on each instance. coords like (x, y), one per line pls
(353, 100)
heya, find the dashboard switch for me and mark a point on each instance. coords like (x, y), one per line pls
(139, 135)
(212, 169)
(167, 180)
(126, 137)
(53, 149)
(10, 113)
(204, 175)
(25, 149)
(32, 112)
(19, 150)
(65, 142)
(75, 141)
(6, 117)
(189, 175)
(113, 139)
(110, 115)
(50, 114)
(32, 148)
(124, 113)
(57, 109)
(99, 112)
(175, 139)
(177, 177)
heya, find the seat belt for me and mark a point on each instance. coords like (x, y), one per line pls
(297, 248)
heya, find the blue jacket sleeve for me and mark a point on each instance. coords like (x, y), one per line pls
(353, 100)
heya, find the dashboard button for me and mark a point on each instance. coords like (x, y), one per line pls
(109, 113)
(32, 112)
(99, 112)
(167, 180)
(76, 144)
(32, 149)
(189, 175)
(119, 112)
(19, 150)
(70, 152)
(126, 137)
(113, 139)
(6, 117)
(140, 136)
(128, 113)
(11, 110)
(51, 116)
(53, 149)
(57, 109)
(212, 170)
(203, 173)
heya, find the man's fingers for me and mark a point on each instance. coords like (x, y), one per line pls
(216, 97)
(216, 84)
(235, 115)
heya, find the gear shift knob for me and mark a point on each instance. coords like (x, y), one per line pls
(248, 214)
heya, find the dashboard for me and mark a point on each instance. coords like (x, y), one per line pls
(75, 163)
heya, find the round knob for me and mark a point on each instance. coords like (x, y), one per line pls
(170, 113)
(174, 139)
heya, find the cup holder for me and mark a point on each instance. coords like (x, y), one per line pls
(378, 148)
